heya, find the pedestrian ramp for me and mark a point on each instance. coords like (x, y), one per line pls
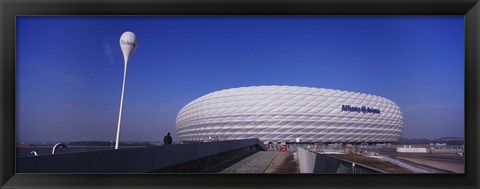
(256, 163)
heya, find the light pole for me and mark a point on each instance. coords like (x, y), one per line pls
(128, 44)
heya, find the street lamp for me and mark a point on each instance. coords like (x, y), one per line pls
(128, 44)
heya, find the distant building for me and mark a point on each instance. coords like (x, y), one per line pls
(290, 113)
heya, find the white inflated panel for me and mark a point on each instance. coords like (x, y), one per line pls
(284, 113)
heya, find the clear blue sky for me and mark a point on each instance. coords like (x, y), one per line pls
(70, 69)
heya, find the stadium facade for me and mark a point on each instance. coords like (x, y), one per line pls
(290, 114)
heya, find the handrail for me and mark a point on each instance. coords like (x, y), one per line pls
(58, 145)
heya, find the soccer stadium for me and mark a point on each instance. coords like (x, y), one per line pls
(290, 114)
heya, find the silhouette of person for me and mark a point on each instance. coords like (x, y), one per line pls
(167, 139)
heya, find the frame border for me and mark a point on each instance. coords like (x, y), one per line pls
(11, 8)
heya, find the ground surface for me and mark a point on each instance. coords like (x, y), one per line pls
(283, 163)
(451, 163)
(372, 162)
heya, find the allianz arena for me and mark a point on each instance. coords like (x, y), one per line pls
(288, 114)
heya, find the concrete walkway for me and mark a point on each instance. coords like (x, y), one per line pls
(283, 163)
(256, 163)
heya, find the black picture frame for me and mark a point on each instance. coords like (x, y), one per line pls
(11, 8)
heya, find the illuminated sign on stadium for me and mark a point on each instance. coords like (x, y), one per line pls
(363, 109)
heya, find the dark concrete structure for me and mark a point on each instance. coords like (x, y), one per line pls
(140, 160)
